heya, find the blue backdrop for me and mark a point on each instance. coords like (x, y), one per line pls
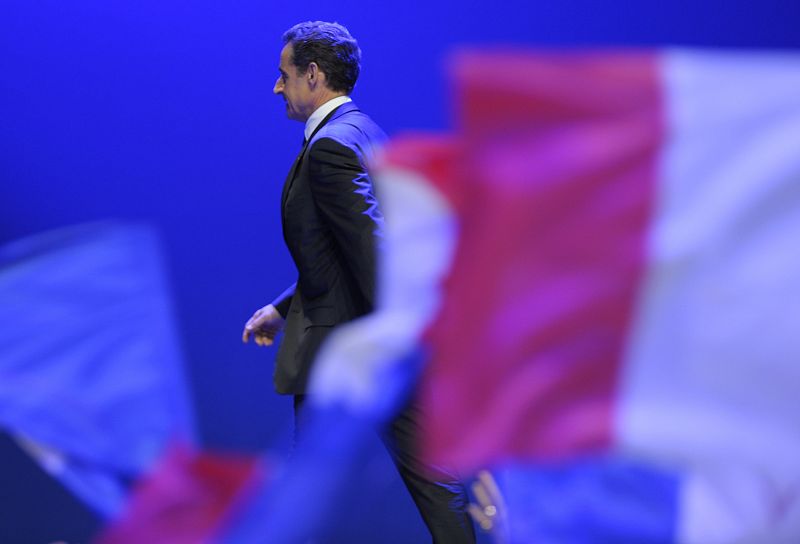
(162, 111)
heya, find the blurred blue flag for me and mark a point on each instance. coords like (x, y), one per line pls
(91, 377)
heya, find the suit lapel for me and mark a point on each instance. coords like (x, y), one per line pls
(287, 185)
(290, 177)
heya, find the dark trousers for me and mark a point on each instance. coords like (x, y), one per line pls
(439, 495)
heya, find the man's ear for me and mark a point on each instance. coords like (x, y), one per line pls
(314, 75)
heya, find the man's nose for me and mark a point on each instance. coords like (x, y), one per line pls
(278, 87)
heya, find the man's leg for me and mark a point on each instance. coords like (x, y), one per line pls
(439, 495)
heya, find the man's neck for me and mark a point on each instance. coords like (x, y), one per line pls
(325, 97)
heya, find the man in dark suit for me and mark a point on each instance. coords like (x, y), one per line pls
(331, 222)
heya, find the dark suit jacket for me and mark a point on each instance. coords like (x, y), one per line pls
(331, 222)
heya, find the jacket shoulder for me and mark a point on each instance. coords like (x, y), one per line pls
(351, 127)
(354, 130)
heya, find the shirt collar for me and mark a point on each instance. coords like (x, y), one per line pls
(319, 114)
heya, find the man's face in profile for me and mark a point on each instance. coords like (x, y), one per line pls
(294, 87)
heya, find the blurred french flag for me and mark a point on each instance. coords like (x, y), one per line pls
(92, 382)
(620, 308)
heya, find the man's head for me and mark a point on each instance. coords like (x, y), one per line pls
(319, 61)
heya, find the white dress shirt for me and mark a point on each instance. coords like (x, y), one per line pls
(319, 114)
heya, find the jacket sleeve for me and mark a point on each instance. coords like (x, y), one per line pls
(344, 195)
(283, 300)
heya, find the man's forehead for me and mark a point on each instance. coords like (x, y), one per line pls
(286, 57)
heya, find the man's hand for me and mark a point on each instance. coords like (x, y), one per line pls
(490, 512)
(265, 324)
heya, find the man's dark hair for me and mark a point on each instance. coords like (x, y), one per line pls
(332, 47)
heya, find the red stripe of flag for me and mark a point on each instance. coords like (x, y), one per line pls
(186, 499)
(556, 175)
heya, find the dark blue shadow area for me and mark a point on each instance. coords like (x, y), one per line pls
(162, 111)
(36, 507)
